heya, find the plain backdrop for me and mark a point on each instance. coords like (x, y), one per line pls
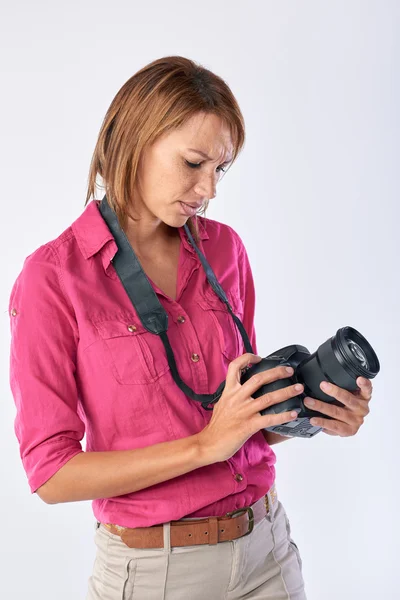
(314, 196)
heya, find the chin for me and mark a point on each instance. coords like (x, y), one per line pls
(176, 220)
(180, 221)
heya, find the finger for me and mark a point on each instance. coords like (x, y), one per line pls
(336, 427)
(272, 420)
(277, 396)
(239, 364)
(257, 381)
(365, 391)
(336, 412)
(344, 396)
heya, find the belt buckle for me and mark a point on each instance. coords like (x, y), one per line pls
(250, 513)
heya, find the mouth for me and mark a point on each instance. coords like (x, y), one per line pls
(189, 209)
(195, 206)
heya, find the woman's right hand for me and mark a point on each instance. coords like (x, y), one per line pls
(236, 415)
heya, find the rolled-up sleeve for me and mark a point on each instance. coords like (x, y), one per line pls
(44, 338)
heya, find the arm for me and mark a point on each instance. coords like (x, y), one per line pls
(44, 337)
(91, 475)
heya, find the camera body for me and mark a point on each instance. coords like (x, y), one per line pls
(339, 360)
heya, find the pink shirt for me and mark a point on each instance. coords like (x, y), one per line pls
(82, 362)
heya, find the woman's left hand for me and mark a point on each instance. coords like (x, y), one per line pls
(348, 419)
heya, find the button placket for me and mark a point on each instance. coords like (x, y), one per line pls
(189, 343)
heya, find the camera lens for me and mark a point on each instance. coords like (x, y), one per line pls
(358, 353)
(355, 353)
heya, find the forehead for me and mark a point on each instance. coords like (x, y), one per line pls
(205, 132)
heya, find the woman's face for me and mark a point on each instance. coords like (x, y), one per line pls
(166, 180)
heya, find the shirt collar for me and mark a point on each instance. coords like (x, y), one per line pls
(92, 234)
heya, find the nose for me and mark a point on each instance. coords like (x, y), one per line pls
(206, 186)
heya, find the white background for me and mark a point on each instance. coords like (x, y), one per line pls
(314, 196)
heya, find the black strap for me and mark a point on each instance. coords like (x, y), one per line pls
(147, 305)
(216, 286)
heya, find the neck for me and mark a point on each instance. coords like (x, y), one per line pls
(148, 241)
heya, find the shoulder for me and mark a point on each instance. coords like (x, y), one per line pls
(42, 267)
(49, 252)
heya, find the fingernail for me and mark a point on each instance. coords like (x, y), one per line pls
(309, 401)
(289, 370)
(326, 386)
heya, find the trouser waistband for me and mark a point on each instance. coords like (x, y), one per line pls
(210, 530)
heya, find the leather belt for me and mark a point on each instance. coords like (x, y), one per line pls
(211, 530)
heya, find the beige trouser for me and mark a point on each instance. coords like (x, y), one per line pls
(264, 565)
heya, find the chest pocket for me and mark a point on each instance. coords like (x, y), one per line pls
(136, 356)
(220, 322)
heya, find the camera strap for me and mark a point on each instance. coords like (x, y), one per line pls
(147, 305)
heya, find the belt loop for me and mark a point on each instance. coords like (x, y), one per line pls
(271, 507)
(167, 537)
(212, 530)
(270, 498)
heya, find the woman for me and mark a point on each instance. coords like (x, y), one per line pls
(167, 478)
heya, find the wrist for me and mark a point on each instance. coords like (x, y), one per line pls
(204, 453)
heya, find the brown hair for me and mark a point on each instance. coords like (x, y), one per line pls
(161, 96)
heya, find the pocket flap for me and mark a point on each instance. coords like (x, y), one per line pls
(119, 327)
(210, 301)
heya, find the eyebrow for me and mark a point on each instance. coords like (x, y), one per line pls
(206, 156)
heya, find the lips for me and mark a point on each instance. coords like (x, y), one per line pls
(196, 206)
(188, 209)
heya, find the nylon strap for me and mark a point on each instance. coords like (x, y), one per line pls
(147, 305)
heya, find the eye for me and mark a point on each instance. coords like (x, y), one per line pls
(196, 165)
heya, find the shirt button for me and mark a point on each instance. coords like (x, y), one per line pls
(132, 328)
(239, 477)
(181, 319)
(13, 312)
(195, 357)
